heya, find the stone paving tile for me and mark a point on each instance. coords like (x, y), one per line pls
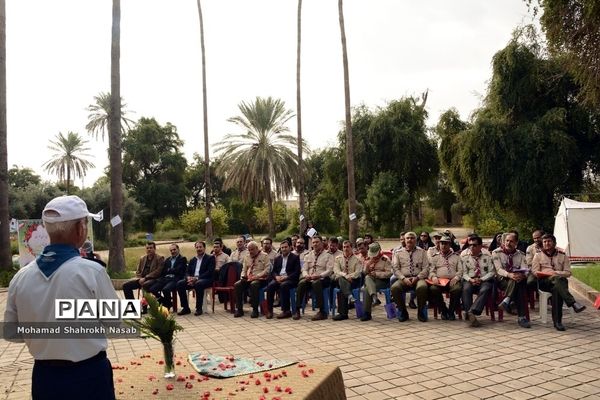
(383, 359)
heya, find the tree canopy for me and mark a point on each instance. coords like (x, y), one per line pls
(154, 169)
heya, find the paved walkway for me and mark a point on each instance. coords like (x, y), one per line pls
(383, 359)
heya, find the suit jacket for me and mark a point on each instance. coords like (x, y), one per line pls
(156, 266)
(207, 267)
(177, 271)
(292, 267)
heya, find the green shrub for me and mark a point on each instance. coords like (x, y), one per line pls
(121, 275)
(6, 276)
(173, 234)
(168, 224)
(193, 221)
(429, 217)
(423, 228)
(14, 247)
(489, 227)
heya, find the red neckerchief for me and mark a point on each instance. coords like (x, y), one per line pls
(509, 265)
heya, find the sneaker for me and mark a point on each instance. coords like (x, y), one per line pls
(505, 305)
(524, 322)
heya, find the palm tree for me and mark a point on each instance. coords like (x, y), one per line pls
(353, 228)
(99, 115)
(116, 249)
(260, 162)
(207, 187)
(69, 158)
(5, 253)
(299, 120)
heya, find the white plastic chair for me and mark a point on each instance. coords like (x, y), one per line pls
(544, 297)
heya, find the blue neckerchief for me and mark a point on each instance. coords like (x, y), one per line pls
(53, 256)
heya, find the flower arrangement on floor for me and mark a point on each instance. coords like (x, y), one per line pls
(159, 324)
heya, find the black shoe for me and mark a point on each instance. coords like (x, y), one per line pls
(351, 305)
(524, 322)
(198, 312)
(412, 304)
(403, 316)
(238, 313)
(559, 326)
(578, 307)
(451, 316)
(340, 317)
(184, 311)
(377, 302)
(366, 317)
(422, 315)
(254, 314)
(444, 314)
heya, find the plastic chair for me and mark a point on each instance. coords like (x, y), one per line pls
(226, 287)
(457, 310)
(336, 291)
(544, 298)
(326, 294)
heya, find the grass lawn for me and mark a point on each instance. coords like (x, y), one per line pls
(590, 275)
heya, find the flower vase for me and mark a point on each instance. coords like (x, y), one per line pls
(169, 360)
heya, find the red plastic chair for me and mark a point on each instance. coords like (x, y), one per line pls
(226, 287)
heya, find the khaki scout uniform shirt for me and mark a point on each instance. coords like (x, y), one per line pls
(257, 267)
(321, 264)
(337, 254)
(531, 251)
(445, 266)
(469, 266)
(301, 255)
(220, 260)
(502, 260)
(272, 254)
(557, 262)
(431, 251)
(467, 252)
(402, 261)
(238, 256)
(347, 267)
(382, 269)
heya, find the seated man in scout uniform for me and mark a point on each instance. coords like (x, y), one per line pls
(552, 268)
(316, 274)
(347, 271)
(478, 277)
(378, 270)
(256, 271)
(512, 271)
(411, 268)
(445, 264)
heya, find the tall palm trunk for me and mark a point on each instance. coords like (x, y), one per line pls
(270, 211)
(5, 255)
(207, 187)
(299, 119)
(353, 228)
(68, 179)
(116, 254)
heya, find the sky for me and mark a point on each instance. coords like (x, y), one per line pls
(58, 59)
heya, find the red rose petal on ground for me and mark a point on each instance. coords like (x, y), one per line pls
(284, 372)
(192, 376)
(278, 389)
(119, 380)
(312, 371)
(178, 362)
(170, 386)
(155, 391)
(251, 376)
(181, 378)
(188, 385)
(305, 373)
(301, 365)
(257, 382)
(218, 389)
(288, 390)
(161, 362)
(265, 389)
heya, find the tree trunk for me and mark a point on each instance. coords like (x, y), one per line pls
(68, 179)
(5, 254)
(270, 210)
(299, 119)
(207, 187)
(116, 254)
(353, 228)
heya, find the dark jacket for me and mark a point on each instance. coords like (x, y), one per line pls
(177, 271)
(207, 267)
(292, 268)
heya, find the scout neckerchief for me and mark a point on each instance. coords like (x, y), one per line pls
(477, 266)
(252, 265)
(551, 256)
(447, 261)
(509, 265)
(316, 260)
(411, 264)
(347, 260)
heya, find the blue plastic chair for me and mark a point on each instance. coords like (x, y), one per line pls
(326, 294)
(355, 294)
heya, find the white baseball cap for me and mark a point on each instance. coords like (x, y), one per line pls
(68, 208)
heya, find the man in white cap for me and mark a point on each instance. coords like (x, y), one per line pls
(63, 369)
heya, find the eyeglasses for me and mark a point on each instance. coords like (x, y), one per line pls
(424, 236)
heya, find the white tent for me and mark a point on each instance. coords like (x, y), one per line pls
(577, 229)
